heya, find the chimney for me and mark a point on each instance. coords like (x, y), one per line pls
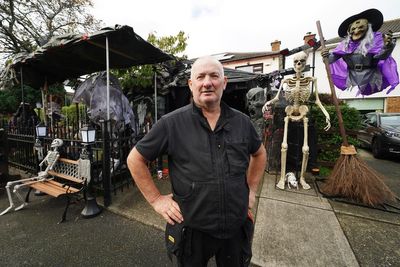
(276, 45)
(308, 37)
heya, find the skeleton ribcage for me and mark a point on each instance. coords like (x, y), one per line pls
(298, 92)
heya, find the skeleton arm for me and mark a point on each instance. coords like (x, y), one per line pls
(319, 104)
(275, 99)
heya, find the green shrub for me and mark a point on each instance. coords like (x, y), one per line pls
(329, 142)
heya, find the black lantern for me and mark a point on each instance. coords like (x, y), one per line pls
(41, 130)
(88, 134)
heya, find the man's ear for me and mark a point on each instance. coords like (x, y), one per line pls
(190, 84)
(225, 81)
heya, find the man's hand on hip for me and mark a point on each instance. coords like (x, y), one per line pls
(168, 208)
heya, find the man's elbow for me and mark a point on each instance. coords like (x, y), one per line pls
(134, 159)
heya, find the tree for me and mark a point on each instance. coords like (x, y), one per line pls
(27, 24)
(141, 77)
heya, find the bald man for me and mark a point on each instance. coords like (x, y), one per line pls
(215, 161)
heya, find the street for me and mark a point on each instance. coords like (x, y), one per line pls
(32, 237)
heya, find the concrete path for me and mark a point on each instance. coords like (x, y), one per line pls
(298, 228)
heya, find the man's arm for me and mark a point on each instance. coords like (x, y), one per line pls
(162, 204)
(255, 172)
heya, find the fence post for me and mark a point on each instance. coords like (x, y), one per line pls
(106, 163)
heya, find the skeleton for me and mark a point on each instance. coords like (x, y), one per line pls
(50, 160)
(297, 93)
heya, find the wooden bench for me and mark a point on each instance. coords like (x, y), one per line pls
(65, 179)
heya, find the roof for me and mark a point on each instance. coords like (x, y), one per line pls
(389, 25)
(235, 56)
(72, 55)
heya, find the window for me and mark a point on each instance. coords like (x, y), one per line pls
(256, 68)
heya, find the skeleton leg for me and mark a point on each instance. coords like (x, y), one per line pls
(10, 200)
(284, 148)
(306, 152)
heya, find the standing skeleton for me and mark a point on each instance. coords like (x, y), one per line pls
(297, 93)
(50, 160)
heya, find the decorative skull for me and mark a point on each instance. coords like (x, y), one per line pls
(291, 180)
(299, 62)
(56, 143)
(255, 100)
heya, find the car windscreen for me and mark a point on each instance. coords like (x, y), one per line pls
(390, 120)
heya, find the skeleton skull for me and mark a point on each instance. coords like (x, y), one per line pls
(299, 61)
(56, 143)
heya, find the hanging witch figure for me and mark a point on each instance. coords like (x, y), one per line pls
(363, 58)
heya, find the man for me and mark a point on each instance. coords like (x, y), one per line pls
(363, 58)
(215, 161)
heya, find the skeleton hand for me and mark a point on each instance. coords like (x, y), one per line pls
(325, 52)
(266, 106)
(328, 124)
(388, 38)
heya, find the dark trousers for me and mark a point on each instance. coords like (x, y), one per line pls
(199, 247)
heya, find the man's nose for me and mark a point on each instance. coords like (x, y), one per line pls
(207, 81)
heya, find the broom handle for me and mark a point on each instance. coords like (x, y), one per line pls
(335, 100)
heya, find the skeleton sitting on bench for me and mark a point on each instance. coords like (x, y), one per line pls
(50, 160)
(297, 93)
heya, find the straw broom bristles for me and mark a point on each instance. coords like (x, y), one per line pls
(352, 178)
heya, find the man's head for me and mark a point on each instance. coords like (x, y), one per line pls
(207, 81)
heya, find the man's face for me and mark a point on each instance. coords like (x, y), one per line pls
(358, 29)
(207, 82)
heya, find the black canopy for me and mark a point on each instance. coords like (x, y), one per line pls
(72, 55)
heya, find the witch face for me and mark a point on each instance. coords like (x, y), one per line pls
(358, 29)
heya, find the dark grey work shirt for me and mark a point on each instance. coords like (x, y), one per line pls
(207, 168)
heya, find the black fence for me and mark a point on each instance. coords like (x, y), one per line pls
(108, 153)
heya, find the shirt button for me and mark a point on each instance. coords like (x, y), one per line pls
(219, 146)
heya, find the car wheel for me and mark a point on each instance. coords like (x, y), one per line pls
(377, 148)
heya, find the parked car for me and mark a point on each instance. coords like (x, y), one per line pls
(381, 133)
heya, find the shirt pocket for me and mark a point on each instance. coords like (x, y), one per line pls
(238, 158)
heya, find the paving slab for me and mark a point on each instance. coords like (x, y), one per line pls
(309, 197)
(288, 234)
(375, 243)
(297, 227)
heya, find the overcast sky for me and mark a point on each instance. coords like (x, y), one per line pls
(216, 26)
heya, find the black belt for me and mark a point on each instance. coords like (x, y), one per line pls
(359, 67)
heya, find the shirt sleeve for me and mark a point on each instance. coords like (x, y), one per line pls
(155, 142)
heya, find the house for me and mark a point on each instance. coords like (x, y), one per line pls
(269, 61)
(255, 62)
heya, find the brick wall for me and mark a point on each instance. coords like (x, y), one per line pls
(393, 104)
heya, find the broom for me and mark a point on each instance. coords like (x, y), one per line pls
(351, 177)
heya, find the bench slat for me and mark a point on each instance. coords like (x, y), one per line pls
(64, 176)
(53, 188)
(69, 161)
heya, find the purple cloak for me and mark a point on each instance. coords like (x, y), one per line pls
(387, 68)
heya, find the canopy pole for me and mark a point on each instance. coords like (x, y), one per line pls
(22, 96)
(155, 95)
(108, 79)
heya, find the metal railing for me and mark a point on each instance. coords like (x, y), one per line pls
(110, 150)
